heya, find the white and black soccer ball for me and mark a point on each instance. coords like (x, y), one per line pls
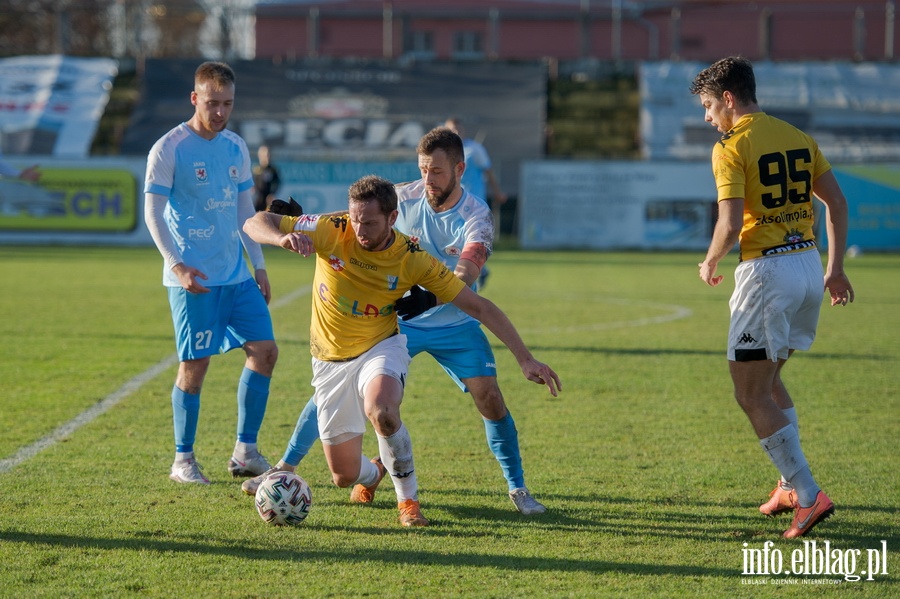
(283, 499)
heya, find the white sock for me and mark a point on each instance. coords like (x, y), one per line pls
(791, 415)
(784, 450)
(244, 450)
(397, 457)
(368, 473)
(183, 456)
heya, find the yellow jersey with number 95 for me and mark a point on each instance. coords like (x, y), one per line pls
(354, 289)
(771, 165)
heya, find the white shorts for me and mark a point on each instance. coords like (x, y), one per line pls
(775, 306)
(340, 387)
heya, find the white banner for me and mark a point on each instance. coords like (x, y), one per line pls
(51, 105)
(616, 205)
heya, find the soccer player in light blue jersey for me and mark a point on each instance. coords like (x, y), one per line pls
(198, 193)
(454, 225)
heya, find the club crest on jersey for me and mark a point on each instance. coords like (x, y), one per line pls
(335, 263)
(201, 174)
(233, 172)
(392, 282)
(452, 251)
(793, 236)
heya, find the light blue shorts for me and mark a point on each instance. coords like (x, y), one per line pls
(219, 321)
(463, 351)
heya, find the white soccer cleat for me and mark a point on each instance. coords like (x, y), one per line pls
(252, 466)
(525, 503)
(187, 471)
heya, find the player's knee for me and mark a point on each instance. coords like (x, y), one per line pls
(491, 404)
(343, 479)
(263, 356)
(385, 422)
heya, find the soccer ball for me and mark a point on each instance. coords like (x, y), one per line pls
(283, 499)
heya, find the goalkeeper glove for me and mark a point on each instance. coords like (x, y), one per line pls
(418, 301)
(285, 208)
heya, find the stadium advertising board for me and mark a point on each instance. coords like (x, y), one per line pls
(322, 186)
(671, 205)
(616, 205)
(51, 105)
(71, 199)
(325, 111)
(873, 193)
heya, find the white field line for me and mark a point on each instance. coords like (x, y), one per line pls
(673, 312)
(101, 407)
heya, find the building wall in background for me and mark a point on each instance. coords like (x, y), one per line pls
(607, 30)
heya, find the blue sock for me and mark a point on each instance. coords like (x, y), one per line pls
(252, 397)
(305, 434)
(185, 412)
(503, 439)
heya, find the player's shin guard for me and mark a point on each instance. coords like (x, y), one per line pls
(784, 450)
(397, 456)
(305, 434)
(252, 397)
(503, 440)
(185, 413)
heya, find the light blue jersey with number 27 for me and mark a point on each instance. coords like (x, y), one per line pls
(202, 179)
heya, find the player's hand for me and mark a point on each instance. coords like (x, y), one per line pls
(418, 301)
(839, 288)
(30, 174)
(289, 208)
(262, 280)
(708, 274)
(540, 373)
(298, 243)
(187, 276)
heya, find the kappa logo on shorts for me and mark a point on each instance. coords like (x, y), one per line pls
(746, 338)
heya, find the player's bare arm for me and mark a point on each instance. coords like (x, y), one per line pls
(837, 283)
(725, 235)
(496, 321)
(263, 228)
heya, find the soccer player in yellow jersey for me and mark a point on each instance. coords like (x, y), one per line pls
(766, 173)
(360, 360)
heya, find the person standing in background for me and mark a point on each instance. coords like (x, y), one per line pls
(26, 174)
(198, 193)
(479, 174)
(266, 181)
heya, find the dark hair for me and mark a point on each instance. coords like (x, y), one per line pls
(442, 138)
(373, 187)
(217, 73)
(733, 74)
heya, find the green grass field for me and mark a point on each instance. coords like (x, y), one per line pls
(650, 472)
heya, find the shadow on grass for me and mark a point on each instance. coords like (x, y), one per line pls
(669, 519)
(386, 556)
(680, 351)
